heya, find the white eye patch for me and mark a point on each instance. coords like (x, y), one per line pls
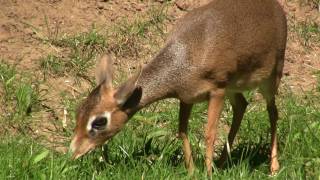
(106, 115)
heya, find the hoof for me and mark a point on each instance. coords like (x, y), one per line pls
(274, 168)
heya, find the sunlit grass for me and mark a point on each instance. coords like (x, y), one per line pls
(148, 148)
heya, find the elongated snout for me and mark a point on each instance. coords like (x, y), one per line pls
(80, 146)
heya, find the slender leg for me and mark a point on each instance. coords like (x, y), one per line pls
(268, 91)
(185, 110)
(273, 116)
(239, 104)
(215, 107)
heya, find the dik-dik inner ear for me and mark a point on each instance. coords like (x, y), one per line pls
(129, 94)
(104, 71)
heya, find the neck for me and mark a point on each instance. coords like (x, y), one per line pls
(155, 81)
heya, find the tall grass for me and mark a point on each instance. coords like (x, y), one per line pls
(20, 96)
(148, 149)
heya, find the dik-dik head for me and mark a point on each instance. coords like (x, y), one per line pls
(105, 111)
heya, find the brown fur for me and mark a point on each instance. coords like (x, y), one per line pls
(216, 51)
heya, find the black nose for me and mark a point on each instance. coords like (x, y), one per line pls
(100, 122)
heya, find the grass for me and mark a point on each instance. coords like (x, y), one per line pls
(124, 39)
(147, 147)
(312, 3)
(53, 65)
(20, 97)
(317, 74)
(129, 38)
(82, 50)
(309, 32)
(306, 28)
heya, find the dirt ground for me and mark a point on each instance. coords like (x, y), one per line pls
(22, 22)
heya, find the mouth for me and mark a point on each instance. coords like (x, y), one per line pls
(77, 155)
(79, 149)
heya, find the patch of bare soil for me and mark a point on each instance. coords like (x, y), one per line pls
(24, 22)
(301, 62)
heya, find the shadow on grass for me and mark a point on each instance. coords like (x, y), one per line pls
(254, 154)
(150, 152)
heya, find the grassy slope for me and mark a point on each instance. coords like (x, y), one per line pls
(147, 148)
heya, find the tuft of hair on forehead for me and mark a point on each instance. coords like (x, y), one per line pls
(87, 105)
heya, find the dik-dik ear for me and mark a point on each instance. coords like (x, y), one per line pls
(129, 94)
(104, 71)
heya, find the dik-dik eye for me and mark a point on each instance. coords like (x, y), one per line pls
(99, 123)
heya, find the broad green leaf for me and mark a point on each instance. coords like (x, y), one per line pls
(40, 156)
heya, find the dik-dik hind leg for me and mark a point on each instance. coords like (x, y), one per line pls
(214, 110)
(184, 113)
(268, 93)
(239, 105)
(273, 116)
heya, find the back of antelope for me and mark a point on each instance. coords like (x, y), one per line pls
(215, 52)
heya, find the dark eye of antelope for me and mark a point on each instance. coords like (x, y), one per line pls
(99, 123)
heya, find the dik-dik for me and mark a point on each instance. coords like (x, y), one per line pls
(215, 52)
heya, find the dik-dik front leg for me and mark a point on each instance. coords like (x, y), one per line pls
(214, 110)
(184, 113)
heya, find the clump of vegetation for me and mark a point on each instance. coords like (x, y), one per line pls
(312, 3)
(125, 39)
(82, 49)
(309, 33)
(317, 73)
(128, 38)
(20, 96)
(53, 65)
